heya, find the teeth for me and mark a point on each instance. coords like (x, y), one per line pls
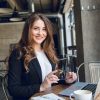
(39, 37)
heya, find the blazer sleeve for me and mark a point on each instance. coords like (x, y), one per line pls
(15, 86)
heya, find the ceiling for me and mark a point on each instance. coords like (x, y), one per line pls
(37, 5)
(22, 8)
(45, 6)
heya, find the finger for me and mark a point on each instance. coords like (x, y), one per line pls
(74, 76)
(69, 73)
(55, 79)
(53, 72)
(54, 76)
(69, 76)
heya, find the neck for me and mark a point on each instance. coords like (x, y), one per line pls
(37, 48)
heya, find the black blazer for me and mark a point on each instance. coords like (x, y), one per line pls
(22, 84)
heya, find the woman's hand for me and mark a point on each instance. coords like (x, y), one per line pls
(49, 79)
(70, 77)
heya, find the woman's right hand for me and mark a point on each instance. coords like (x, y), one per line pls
(49, 79)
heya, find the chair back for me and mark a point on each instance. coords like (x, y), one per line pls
(5, 87)
(94, 68)
(4, 77)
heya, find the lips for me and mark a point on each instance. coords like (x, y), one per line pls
(38, 37)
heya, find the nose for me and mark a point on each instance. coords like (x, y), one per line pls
(40, 31)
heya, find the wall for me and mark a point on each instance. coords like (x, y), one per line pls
(90, 14)
(9, 33)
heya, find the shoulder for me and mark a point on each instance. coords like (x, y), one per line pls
(15, 54)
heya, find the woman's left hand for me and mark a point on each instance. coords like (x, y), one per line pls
(70, 77)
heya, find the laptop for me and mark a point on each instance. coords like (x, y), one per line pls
(80, 85)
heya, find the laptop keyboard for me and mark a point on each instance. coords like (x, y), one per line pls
(90, 87)
(77, 86)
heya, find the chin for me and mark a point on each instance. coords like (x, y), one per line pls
(39, 42)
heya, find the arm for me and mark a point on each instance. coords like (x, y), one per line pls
(15, 86)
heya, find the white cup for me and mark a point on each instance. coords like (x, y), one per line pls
(81, 95)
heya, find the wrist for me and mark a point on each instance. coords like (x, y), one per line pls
(42, 88)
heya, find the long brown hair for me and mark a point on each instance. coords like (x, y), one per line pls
(26, 42)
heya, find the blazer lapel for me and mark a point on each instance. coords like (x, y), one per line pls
(38, 68)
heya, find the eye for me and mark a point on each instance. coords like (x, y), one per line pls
(35, 28)
(44, 29)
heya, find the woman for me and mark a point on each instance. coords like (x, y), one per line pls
(32, 64)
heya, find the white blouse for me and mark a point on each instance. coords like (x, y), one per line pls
(44, 63)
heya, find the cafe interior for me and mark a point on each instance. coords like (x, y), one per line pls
(76, 33)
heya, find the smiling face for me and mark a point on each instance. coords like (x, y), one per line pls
(38, 32)
(37, 35)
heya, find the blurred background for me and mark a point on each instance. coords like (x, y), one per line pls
(76, 30)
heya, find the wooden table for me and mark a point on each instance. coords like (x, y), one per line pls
(54, 89)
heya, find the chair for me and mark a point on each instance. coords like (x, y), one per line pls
(3, 77)
(4, 87)
(94, 70)
(78, 71)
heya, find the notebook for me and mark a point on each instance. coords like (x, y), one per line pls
(50, 96)
(79, 85)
